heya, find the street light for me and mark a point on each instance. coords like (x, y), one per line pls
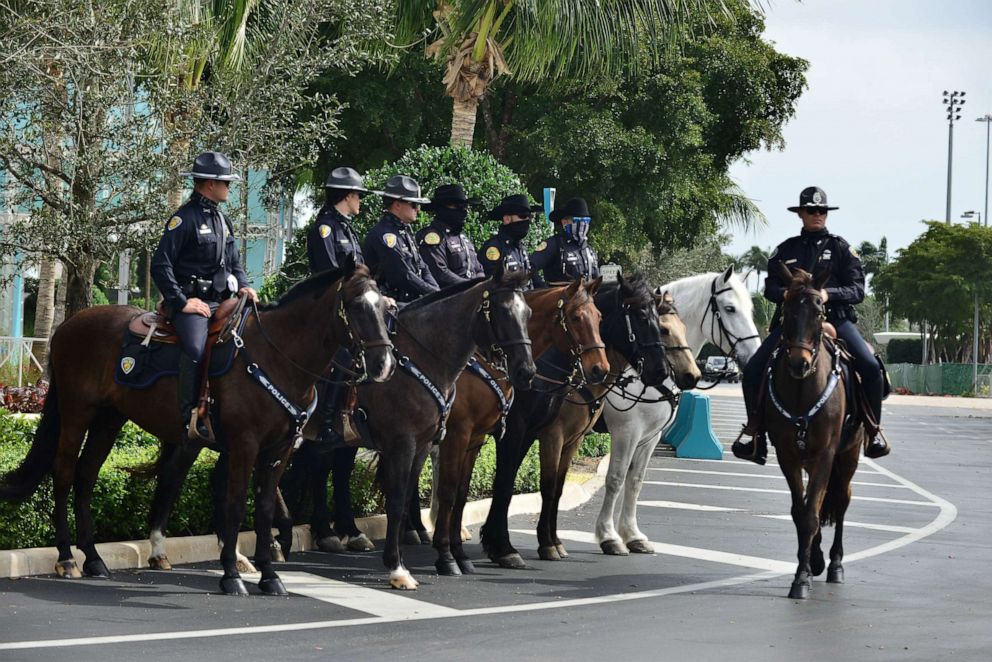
(987, 118)
(972, 214)
(953, 100)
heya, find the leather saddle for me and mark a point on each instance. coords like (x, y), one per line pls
(156, 327)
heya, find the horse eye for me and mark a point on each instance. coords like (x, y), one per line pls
(730, 309)
(665, 332)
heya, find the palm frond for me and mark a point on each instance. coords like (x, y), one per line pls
(740, 211)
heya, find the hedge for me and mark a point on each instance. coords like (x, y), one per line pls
(121, 501)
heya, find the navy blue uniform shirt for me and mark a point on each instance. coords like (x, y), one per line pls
(391, 254)
(562, 258)
(449, 255)
(511, 252)
(331, 240)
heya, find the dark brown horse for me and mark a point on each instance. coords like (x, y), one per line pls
(292, 341)
(564, 316)
(805, 412)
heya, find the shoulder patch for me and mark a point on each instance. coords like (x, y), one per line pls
(541, 246)
(389, 239)
(173, 223)
(432, 239)
(325, 231)
(492, 253)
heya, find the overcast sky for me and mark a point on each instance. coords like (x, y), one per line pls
(871, 129)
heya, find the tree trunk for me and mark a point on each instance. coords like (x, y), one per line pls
(79, 288)
(44, 311)
(463, 115)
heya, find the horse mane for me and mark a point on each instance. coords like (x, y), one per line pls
(313, 286)
(634, 292)
(449, 291)
(802, 280)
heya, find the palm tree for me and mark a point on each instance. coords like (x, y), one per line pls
(536, 41)
(756, 259)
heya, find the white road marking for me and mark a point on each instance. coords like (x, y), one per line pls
(771, 491)
(776, 476)
(384, 603)
(686, 506)
(856, 525)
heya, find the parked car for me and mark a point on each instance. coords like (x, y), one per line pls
(721, 368)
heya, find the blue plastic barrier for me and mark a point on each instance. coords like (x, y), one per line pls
(692, 434)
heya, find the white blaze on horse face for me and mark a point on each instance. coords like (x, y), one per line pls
(518, 307)
(372, 297)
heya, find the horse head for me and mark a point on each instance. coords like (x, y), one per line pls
(503, 326)
(731, 311)
(632, 327)
(803, 314)
(681, 361)
(362, 310)
(578, 321)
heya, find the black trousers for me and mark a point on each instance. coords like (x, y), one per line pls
(192, 331)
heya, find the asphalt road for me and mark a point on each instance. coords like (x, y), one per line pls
(918, 543)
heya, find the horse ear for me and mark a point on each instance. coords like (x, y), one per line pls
(821, 279)
(668, 298)
(593, 287)
(728, 273)
(574, 286)
(784, 272)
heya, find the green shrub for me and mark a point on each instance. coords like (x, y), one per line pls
(596, 444)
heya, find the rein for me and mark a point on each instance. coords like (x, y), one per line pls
(576, 377)
(717, 324)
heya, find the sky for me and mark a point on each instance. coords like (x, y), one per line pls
(871, 129)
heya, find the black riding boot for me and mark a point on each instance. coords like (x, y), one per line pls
(755, 450)
(329, 436)
(189, 370)
(877, 447)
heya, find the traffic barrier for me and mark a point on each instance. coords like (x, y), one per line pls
(692, 434)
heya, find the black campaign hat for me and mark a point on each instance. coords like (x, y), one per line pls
(812, 196)
(574, 208)
(517, 205)
(212, 165)
(347, 179)
(447, 194)
(403, 188)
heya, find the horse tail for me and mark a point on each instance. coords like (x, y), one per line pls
(835, 488)
(22, 482)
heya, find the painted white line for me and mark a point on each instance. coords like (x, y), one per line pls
(771, 491)
(384, 603)
(776, 476)
(856, 525)
(679, 505)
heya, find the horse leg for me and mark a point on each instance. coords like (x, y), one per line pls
(564, 462)
(268, 470)
(218, 489)
(318, 470)
(100, 439)
(283, 521)
(550, 446)
(464, 485)
(174, 464)
(806, 516)
(241, 462)
(840, 499)
(396, 467)
(342, 466)
(495, 532)
(446, 468)
(63, 470)
(415, 533)
(621, 454)
(636, 541)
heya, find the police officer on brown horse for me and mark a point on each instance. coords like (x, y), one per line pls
(195, 267)
(447, 250)
(507, 246)
(815, 250)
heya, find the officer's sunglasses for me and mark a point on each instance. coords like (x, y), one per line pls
(817, 211)
(415, 205)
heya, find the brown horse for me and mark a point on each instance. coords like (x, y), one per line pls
(293, 340)
(805, 411)
(579, 413)
(564, 316)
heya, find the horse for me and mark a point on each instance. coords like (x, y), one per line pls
(279, 344)
(563, 316)
(629, 328)
(714, 308)
(436, 336)
(809, 423)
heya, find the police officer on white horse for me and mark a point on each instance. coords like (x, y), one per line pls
(195, 267)
(815, 250)
(567, 255)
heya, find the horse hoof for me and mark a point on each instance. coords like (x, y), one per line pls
(466, 566)
(447, 568)
(561, 550)
(331, 544)
(67, 569)
(466, 534)
(614, 548)
(799, 591)
(402, 580)
(233, 586)
(548, 553)
(511, 561)
(159, 562)
(277, 555)
(835, 574)
(96, 568)
(360, 543)
(640, 547)
(245, 566)
(273, 586)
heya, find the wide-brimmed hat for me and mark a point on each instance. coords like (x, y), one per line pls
(212, 165)
(812, 196)
(448, 194)
(574, 208)
(347, 179)
(517, 205)
(401, 187)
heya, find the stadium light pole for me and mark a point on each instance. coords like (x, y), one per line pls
(974, 334)
(953, 100)
(987, 118)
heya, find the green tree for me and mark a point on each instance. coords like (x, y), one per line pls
(756, 259)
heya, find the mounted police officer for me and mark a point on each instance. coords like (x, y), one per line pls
(331, 239)
(389, 248)
(446, 249)
(814, 251)
(195, 267)
(507, 245)
(567, 255)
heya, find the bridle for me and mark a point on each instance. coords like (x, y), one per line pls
(496, 354)
(577, 375)
(814, 347)
(717, 324)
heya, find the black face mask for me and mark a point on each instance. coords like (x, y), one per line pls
(517, 230)
(453, 218)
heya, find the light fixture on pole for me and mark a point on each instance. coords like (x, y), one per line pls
(987, 118)
(953, 100)
(973, 214)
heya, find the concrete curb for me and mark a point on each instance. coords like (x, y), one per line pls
(133, 554)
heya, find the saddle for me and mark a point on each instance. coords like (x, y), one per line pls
(156, 327)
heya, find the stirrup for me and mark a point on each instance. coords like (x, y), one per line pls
(878, 446)
(755, 450)
(200, 429)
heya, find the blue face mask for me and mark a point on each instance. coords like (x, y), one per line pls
(579, 228)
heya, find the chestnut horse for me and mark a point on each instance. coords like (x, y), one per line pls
(805, 411)
(564, 316)
(293, 340)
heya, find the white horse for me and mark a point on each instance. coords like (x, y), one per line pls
(715, 308)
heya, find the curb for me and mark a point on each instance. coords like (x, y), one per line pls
(133, 554)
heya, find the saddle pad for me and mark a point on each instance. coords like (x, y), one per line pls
(139, 366)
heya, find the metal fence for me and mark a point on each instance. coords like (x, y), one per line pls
(16, 355)
(941, 378)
